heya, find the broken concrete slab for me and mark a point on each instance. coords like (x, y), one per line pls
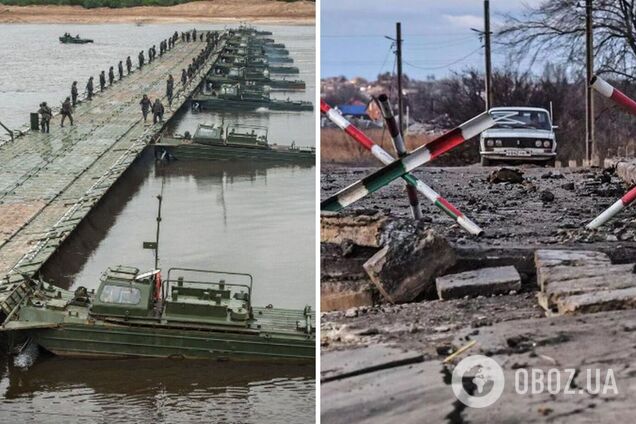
(485, 282)
(583, 281)
(363, 229)
(341, 295)
(547, 261)
(596, 279)
(407, 266)
(599, 301)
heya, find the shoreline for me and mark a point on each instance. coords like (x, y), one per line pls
(211, 11)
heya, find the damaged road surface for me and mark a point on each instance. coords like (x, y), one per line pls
(536, 292)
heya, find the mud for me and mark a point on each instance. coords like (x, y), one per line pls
(257, 11)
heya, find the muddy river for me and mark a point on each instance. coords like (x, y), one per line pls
(238, 216)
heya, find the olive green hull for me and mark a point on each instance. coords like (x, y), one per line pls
(129, 341)
(215, 103)
(181, 151)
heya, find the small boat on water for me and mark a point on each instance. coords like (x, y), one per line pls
(69, 39)
(250, 142)
(184, 313)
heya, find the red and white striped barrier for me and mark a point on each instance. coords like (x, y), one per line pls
(400, 149)
(609, 91)
(336, 202)
(402, 166)
(608, 213)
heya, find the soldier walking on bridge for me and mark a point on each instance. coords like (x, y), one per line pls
(128, 64)
(184, 77)
(89, 89)
(120, 69)
(102, 81)
(74, 93)
(141, 59)
(157, 111)
(66, 111)
(111, 76)
(194, 35)
(46, 114)
(169, 89)
(145, 106)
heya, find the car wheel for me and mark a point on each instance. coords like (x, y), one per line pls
(485, 161)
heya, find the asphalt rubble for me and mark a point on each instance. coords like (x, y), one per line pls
(521, 209)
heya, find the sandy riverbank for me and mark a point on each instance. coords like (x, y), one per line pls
(258, 11)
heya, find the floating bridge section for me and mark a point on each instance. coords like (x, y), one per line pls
(50, 182)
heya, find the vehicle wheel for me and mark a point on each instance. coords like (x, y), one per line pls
(550, 163)
(485, 161)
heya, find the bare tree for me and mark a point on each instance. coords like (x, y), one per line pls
(555, 30)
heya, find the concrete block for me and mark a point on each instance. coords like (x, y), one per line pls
(485, 282)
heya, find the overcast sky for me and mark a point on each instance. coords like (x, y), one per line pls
(437, 35)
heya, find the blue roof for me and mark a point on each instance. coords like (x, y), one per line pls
(353, 110)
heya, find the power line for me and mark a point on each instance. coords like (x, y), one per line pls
(432, 68)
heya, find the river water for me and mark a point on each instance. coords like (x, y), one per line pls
(235, 216)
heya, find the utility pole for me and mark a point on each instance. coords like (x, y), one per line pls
(398, 53)
(487, 54)
(590, 144)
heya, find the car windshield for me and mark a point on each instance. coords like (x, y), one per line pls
(522, 119)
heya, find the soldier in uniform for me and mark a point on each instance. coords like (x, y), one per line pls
(194, 35)
(157, 111)
(145, 106)
(46, 114)
(150, 58)
(89, 88)
(169, 89)
(74, 93)
(128, 64)
(66, 111)
(102, 80)
(141, 59)
(184, 77)
(111, 76)
(120, 68)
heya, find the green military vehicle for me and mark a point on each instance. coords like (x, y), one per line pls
(250, 142)
(190, 313)
(238, 97)
(220, 75)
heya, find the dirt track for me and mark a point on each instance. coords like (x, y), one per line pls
(263, 11)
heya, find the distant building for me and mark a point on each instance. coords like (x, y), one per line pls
(356, 110)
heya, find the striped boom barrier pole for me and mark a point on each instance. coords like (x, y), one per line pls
(613, 210)
(400, 148)
(400, 167)
(607, 90)
(387, 159)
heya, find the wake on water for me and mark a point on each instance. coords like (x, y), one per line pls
(27, 356)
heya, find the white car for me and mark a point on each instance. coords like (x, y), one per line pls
(522, 134)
